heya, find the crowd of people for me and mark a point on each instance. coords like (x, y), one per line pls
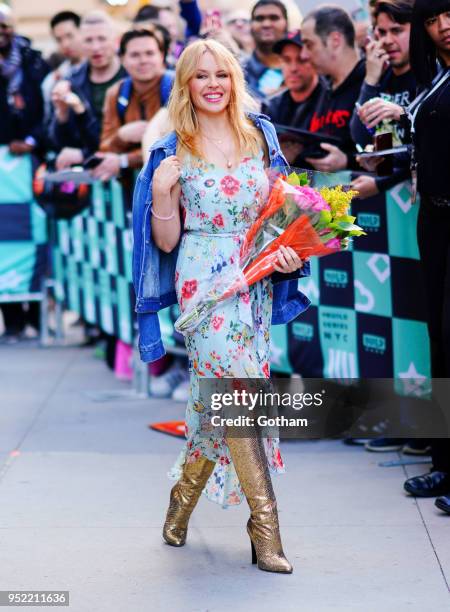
(332, 89)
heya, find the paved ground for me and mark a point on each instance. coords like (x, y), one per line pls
(83, 496)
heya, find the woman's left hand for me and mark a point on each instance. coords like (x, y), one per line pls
(288, 260)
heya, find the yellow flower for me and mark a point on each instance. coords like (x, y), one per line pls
(338, 200)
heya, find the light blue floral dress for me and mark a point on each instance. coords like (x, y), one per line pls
(234, 340)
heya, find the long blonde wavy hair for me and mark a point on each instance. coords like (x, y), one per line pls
(182, 114)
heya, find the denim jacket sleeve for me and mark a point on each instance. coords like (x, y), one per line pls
(151, 346)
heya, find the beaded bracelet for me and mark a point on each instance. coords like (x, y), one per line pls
(171, 216)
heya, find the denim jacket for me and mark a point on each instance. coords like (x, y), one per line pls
(154, 270)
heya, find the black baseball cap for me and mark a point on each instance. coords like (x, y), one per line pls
(292, 38)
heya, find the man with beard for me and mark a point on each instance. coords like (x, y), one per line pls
(329, 44)
(269, 22)
(22, 71)
(388, 88)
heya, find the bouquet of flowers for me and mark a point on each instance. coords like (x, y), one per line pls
(314, 222)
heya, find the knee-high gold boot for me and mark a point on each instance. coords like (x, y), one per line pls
(183, 499)
(250, 463)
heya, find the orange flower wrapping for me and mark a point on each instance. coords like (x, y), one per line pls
(300, 235)
(275, 201)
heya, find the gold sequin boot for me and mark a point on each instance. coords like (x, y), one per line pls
(183, 499)
(250, 463)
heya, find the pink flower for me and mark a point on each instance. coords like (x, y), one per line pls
(188, 289)
(334, 243)
(218, 220)
(308, 198)
(217, 321)
(229, 185)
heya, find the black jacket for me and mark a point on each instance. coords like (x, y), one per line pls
(22, 117)
(432, 137)
(283, 110)
(80, 131)
(332, 117)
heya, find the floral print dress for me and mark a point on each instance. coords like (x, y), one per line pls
(218, 206)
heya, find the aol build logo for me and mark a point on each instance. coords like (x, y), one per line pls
(335, 278)
(371, 222)
(374, 344)
(303, 331)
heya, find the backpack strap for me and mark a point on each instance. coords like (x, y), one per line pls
(126, 87)
(165, 86)
(123, 98)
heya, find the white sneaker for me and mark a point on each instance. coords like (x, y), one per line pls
(163, 386)
(181, 393)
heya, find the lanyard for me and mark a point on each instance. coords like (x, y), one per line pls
(415, 105)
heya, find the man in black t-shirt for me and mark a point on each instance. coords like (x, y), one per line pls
(329, 43)
(388, 88)
(295, 106)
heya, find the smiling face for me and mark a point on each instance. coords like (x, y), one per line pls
(210, 87)
(268, 25)
(142, 59)
(395, 39)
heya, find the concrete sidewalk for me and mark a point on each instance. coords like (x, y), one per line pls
(83, 497)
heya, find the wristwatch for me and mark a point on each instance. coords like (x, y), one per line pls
(123, 160)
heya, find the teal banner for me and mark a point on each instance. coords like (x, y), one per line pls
(92, 262)
(23, 230)
(367, 317)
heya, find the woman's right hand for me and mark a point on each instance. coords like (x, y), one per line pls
(166, 175)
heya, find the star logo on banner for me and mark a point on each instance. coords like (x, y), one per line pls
(413, 382)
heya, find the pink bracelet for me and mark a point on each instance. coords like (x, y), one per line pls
(171, 216)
